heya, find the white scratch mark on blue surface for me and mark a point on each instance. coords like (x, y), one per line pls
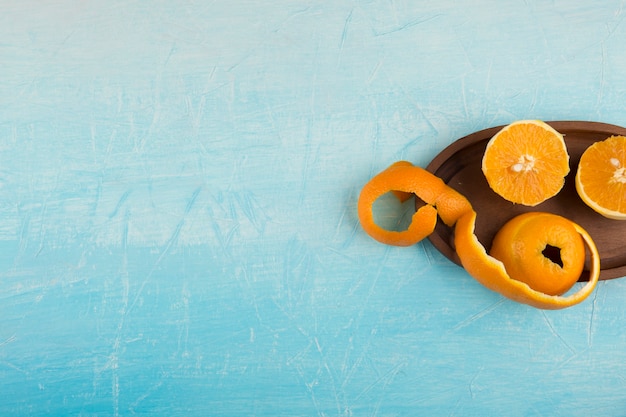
(374, 72)
(479, 315)
(618, 14)
(153, 388)
(310, 387)
(279, 27)
(472, 383)
(16, 368)
(464, 98)
(330, 374)
(120, 203)
(407, 25)
(170, 243)
(114, 357)
(344, 33)
(8, 340)
(555, 333)
(602, 82)
(590, 329)
(427, 253)
(383, 379)
(340, 223)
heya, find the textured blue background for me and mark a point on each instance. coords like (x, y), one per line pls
(178, 185)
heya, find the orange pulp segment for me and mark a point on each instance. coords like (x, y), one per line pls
(541, 249)
(601, 177)
(492, 273)
(526, 162)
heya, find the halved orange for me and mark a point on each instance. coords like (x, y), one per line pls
(541, 249)
(601, 177)
(526, 162)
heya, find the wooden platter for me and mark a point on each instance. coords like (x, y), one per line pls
(459, 165)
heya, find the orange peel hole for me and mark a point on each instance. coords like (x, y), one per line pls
(403, 179)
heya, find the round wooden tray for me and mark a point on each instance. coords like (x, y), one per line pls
(459, 165)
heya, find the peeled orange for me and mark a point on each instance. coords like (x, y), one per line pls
(526, 162)
(492, 272)
(522, 241)
(601, 177)
(541, 249)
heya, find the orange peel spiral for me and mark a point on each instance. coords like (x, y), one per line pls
(403, 179)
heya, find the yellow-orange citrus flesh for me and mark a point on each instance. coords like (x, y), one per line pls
(492, 273)
(541, 249)
(601, 177)
(526, 162)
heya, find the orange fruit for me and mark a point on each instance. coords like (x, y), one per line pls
(526, 162)
(541, 249)
(404, 179)
(492, 273)
(601, 177)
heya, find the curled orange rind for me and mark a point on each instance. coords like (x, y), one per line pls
(492, 274)
(404, 179)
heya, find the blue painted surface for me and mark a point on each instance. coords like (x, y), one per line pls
(178, 201)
